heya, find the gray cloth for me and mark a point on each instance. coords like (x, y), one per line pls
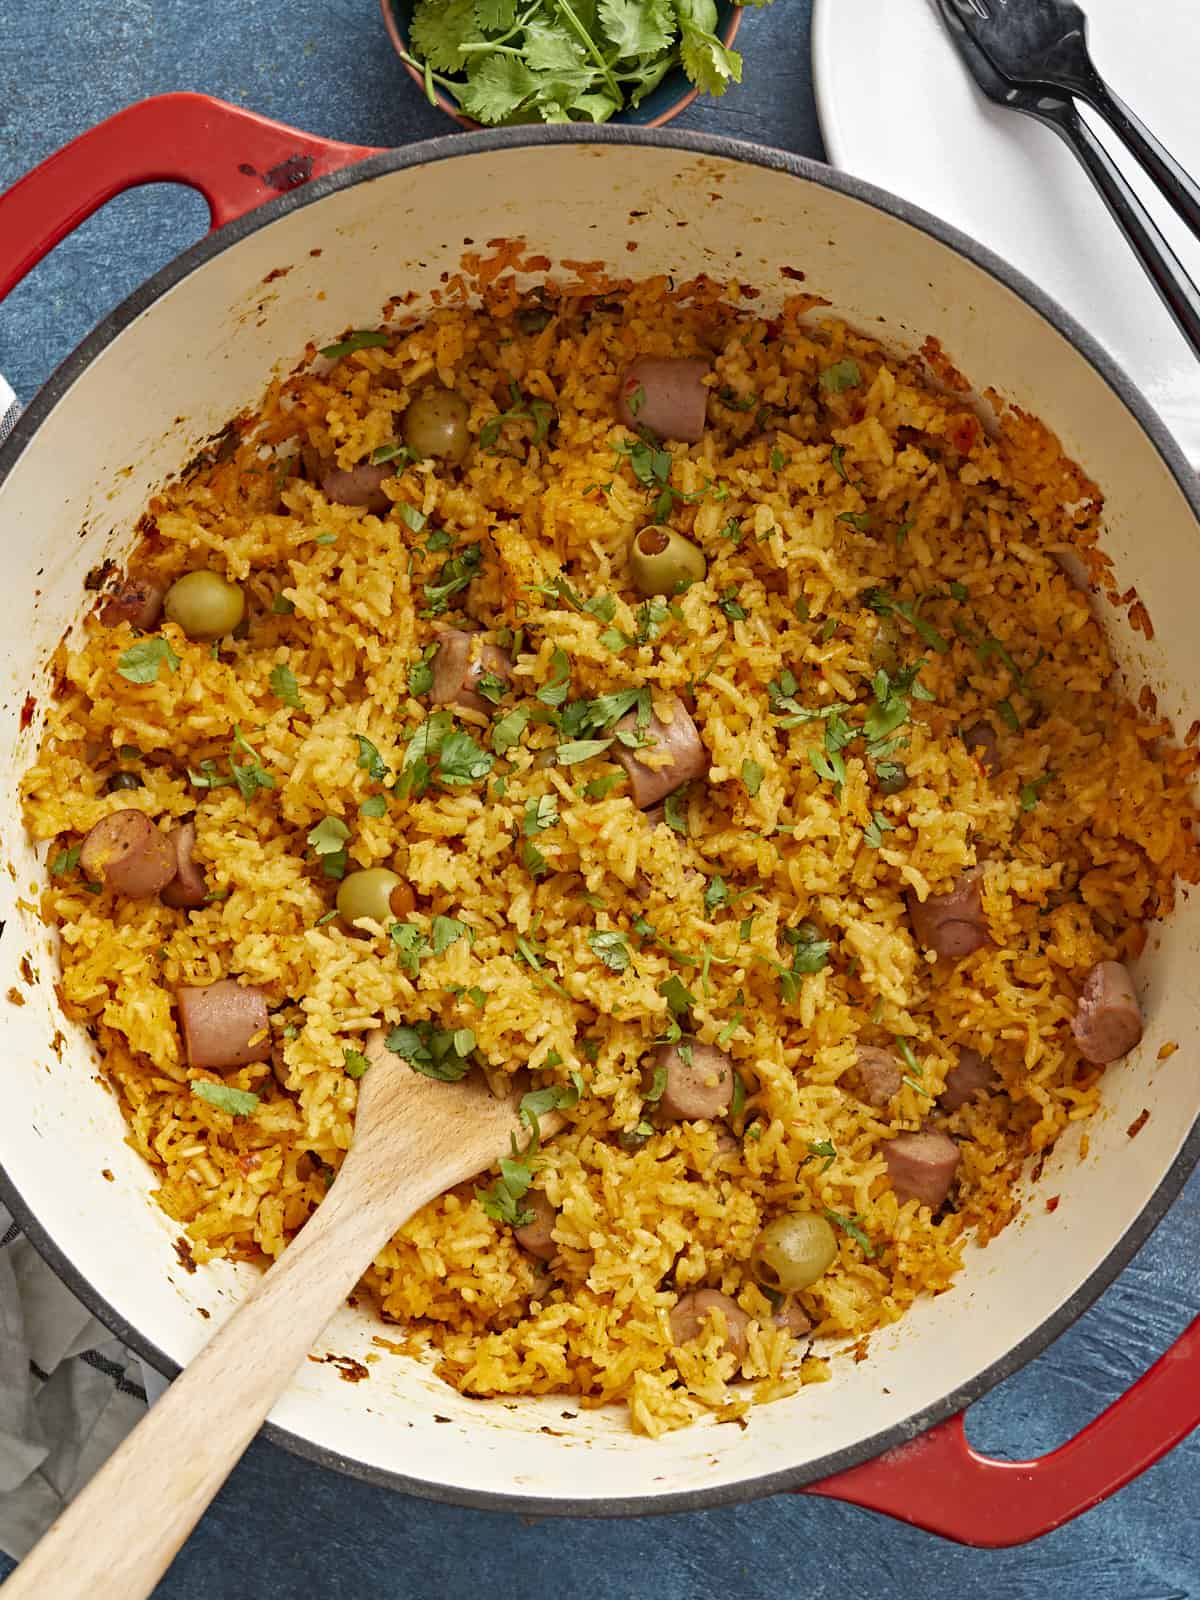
(69, 1393)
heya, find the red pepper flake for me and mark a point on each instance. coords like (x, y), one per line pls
(1052, 1203)
(27, 710)
(793, 273)
(964, 432)
(1138, 1123)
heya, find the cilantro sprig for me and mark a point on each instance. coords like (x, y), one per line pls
(565, 60)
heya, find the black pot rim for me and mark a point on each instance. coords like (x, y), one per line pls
(447, 148)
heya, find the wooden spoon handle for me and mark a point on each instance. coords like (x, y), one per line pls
(121, 1532)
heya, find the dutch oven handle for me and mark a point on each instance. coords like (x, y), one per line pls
(940, 1483)
(237, 160)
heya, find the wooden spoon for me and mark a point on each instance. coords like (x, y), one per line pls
(413, 1139)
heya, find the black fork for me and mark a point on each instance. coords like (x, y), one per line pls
(1163, 267)
(1043, 43)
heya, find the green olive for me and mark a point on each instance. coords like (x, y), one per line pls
(664, 562)
(123, 780)
(435, 424)
(793, 1251)
(893, 779)
(204, 604)
(374, 892)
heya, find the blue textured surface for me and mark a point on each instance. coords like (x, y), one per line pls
(283, 1527)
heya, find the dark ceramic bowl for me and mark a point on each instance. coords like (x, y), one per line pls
(673, 95)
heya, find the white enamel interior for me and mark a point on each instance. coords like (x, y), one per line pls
(203, 351)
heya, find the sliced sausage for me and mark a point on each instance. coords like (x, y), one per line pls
(792, 1316)
(922, 1166)
(952, 924)
(972, 1079)
(224, 1024)
(677, 740)
(699, 1080)
(537, 1236)
(187, 889)
(878, 1074)
(458, 667)
(1108, 1020)
(666, 395)
(126, 852)
(139, 602)
(691, 1313)
(358, 486)
(981, 741)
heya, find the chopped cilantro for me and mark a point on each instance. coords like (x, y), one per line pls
(441, 1053)
(822, 1147)
(752, 776)
(461, 760)
(676, 996)
(65, 861)
(359, 339)
(1031, 792)
(880, 601)
(411, 517)
(874, 831)
(540, 814)
(399, 453)
(237, 1102)
(601, 788)
(853, 1227)
(613, 639)
(284, 686)
(356, 1062)
(282, 606)
(836, 455)
(328, 840)
(716, 894)
(729, 604)
(140, 663)
(250, 776)
(457, 572)
(374, 805)
(556, 690)
(673, 815)
(371, 762)
(842, 375)
(420, 674)
(611, 946)
(507, 731)
(576, 750)
(1009, 715)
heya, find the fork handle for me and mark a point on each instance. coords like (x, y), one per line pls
(1174, 183)
(1163, 267)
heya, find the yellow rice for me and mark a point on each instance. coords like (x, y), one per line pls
(1081, 833)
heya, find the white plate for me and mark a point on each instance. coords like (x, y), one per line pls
(898, 108)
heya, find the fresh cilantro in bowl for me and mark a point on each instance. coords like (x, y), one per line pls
(565, 60)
